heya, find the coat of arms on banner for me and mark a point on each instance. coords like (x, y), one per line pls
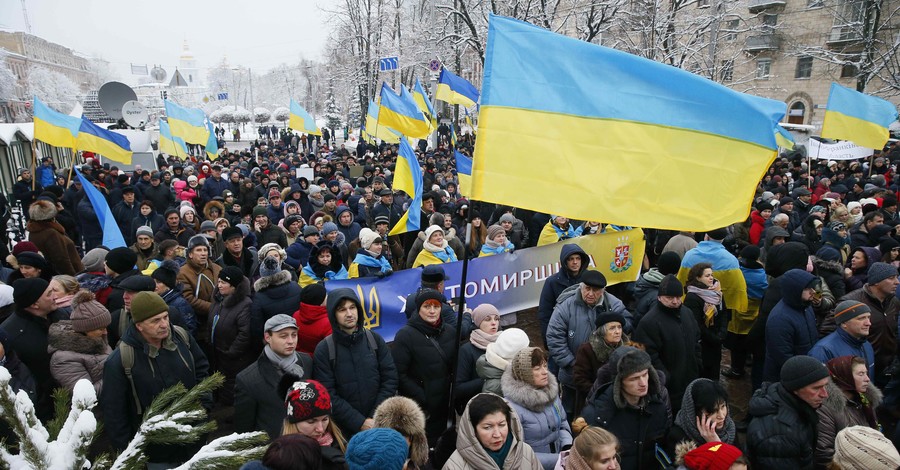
(371, 307)
(621, 256)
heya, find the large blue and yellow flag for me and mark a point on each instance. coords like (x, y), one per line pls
(402, 114)
(373, 129)
(464, 173)
(300, 120)
(54, 128)
(187, 123)
(855, 116)
(170, 144)
(408, 178)
(421, 99)
(112, 236)
(406, 95)
(112, 145)
(456, 90)
(212, 144)
(783, 138)
(592, 133)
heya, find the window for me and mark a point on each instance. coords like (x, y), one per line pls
(804, 67)
(815, 3)
(731, 29)
(849, 70)
(763, 68)
(702, 3)
(727, 71)
(770, 20)
(796, 113)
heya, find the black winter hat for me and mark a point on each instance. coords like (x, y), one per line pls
(166, 273)
(232, 275)
(800, 371)
(427, 294)
(138, 284)
(313, 294)
(27, 291)
(670, 286)
(231, 232)
(121, 259)
(29, 258)
(668, 263)
(593, 278)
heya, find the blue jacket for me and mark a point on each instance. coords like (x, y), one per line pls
(212, 188)
(791, 327)
(840, 343)
(555, 284)
(45, 176)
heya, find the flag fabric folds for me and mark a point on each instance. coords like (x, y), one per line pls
(170, 144)
(464, 173)
(54, 128)
(96, 139)
(112, 236)
(212, 144)
(374, 130)
(864, 119)
(408, 178)
(783, 138)
(592, 133)
(402, 114)
(452, 135)
(187, 123)
(455, 90)
(301, 121)
(421, 99)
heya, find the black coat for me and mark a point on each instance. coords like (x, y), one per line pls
(672, 339)
(782, 431)
(230, 335)
(423, 355)
(360, 379)
(468, 383)
(185, 364)
(274, 295)
(26, 334)
(161, 196)
(257, 406)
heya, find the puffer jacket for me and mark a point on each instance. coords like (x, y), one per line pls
(74, 356)
(557, 283)
(471, 455)
(275, 294)
(359, 379)
(791, 327)
(782, 432)
(490, 376)
(314, 326)
(840, 343)
(543, 418)
(837, 413)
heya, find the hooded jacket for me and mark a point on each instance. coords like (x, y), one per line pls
(782, 430)
(541, 413)
(859, 277)
(274, 295)
(358, 379)
(315, 272)
(557, 283)
(791, 327)
(314, 325)
(74, 356)
(351, 231)
(471, 455)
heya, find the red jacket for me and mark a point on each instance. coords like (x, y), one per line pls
(756, 230)
(313, 326)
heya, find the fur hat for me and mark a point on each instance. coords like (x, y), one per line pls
(231, 232)
(93, 260)
(509, 342)
(800, 371)
(430, 230)
(269, 266)
(377, 449)
(482, 313)
(35, 260)
(196, 241)
(367, 237)
(42, 210)
(864, 448)
(270, 247)
(493, 231)
(88, 314)
(146, 305)
(879, 272)
(406, 417)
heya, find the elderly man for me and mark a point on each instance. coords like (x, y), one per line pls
(854, 319)
(198, 278)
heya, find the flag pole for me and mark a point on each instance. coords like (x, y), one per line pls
(72, 166)
(459, 315)
(33, 164)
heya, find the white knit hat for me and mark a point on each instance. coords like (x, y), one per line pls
(367, 237)
(430, 230)
(510, 341)
(863, 448)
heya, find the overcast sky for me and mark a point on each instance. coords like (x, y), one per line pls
(259, 35)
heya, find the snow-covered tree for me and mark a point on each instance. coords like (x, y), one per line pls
(241, 115)
(53, 88)
(261, 115)
(224, 114)
(332, 112)
(282, 114)
(8, 84)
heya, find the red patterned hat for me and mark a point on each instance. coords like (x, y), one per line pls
(306, 400)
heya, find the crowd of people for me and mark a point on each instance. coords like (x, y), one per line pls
(225, 270)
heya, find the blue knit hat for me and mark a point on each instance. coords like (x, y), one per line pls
(879, 272)
(377, 449)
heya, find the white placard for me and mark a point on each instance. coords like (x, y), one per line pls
(307, 173)
(845, 150)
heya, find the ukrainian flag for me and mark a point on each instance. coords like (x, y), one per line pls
(464, 173)
(402, 114)
(452, 135)
(212, 145)
(54, 128)
(170, 144)
(112, 235)
(187, 123)
(456, 90)
(421, 99)
(864, 119)
(783, 138)
(94, 138)
(301, 121)
(379, 132)
(593, 133)
(408, 178)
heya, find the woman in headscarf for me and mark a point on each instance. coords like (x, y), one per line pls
(435, 249)
(704, 416)
(324, 264)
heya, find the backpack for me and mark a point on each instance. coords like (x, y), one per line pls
(329, 342)
(126, 351)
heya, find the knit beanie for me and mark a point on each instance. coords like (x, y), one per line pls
(632, 362)
(146, 305)
(25, 246)
(313, 294)
(427, 294)
(306, 400)
(185, 209)
(848, 310)
(329, 227)
(670, 286)
(207, 226)
(887, 244)
(27, 291)
(367, 237)
(668, 263)
(482, 313)
(800, 371)
(88, 314)
(310, 230)
(260, 210)
(121, 259)
(712, 456)
(93, 260)
(144, 230)
(750, 253)
(268, 248)
(493, 231)
(508, 343)
(507, 217)
(196, 241)
(377, 449)
(232, 275)
(864, 448)
(879, 272)
(270, 266)
(430, 230)
(520, 365)
(34, 260)
(166, 273)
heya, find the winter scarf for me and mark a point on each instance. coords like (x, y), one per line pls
(712, 299)
(64, 301)
(686, 419)
(574, 461)
(287, 365)
(566, 234)
(601, 348)
(481, 340)
(491, 247)
(499, 457)
(653, 276)
(443, 252)
(317, 203)
(372, 262)
(321, 272)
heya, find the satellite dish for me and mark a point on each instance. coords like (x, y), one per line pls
(159, 74)
(112, 95)
(134, 113)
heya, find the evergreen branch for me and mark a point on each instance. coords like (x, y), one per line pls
(228, 452)
(62, 400)
(18, 411)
